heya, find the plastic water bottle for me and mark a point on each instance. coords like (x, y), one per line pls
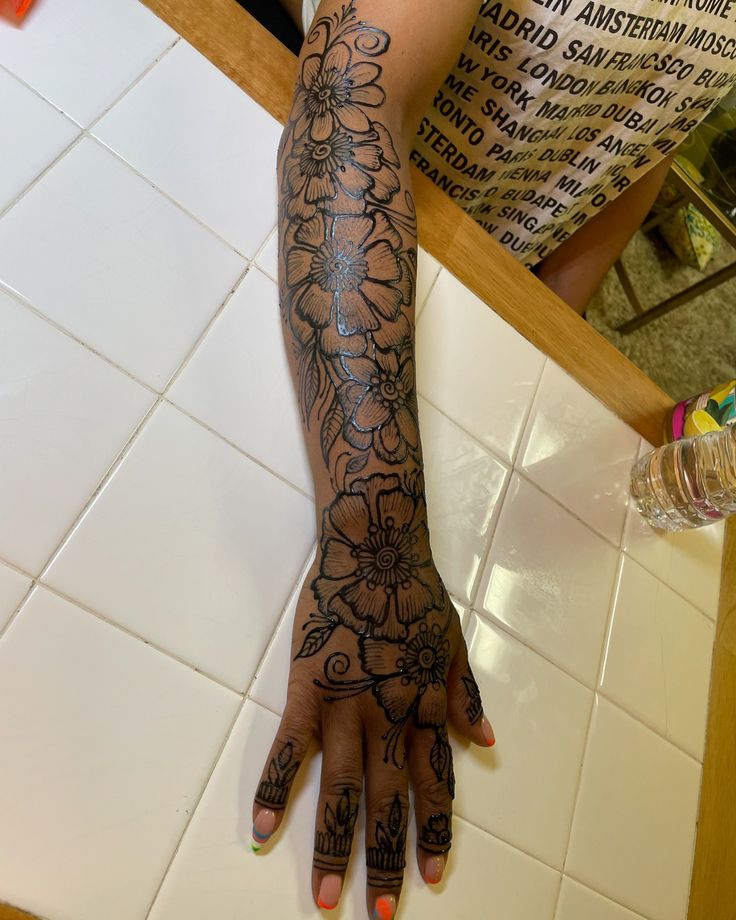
(689, 483)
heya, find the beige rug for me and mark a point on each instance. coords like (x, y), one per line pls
(689, 350)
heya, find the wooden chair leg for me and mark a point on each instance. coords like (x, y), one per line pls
(623, 277)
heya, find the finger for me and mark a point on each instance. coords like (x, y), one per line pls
(286, 754)
(433, 781)
(387, 812)
(337, 809)
(464, 705)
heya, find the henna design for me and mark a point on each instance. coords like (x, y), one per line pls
(317, 637)
(274, 790)
(349, 251)
(386, 860)
(348, 264)
(436, 835)
(474, 709)
(377, 572)
(440, 759)
(332, 846)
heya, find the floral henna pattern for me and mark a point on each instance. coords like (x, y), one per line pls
(474, 709)
(347, 268)
(349, 252)
(332, 845)
(377, 573)
(386, 860)
(274, 790)
(436, 834)
(380, 394)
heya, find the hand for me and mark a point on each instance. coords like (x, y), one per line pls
(378, 665)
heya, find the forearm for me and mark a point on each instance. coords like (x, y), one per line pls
(347, 267)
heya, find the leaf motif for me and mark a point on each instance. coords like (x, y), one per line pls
(315, 639)
(309, 380)
(285, 754)
(438, 758)
(343, 808)
(394, 817)
(329, 819)
(357, 464)
(311, 386)
(331, 428)
(471, 688)
(382, 838)
(289, 774)
(273, 773)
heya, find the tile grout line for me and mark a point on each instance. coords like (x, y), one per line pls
(195, 805)
(601, 661)
(16, 568)
(44, 172)
(83, 131)
(293, 592)
(164, 194)
(487, 549)
(67, 333)
(586, 746)
(120, 456)
(128, 632)
(86, 133)
(607, 897)
(594, 689)
(202, 424)
(246, 697)
(418, 310)
(530, 410)
(117, 460)
(506, 842)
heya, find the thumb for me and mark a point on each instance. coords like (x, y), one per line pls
(464, 705)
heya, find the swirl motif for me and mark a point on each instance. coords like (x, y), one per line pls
(336, 665)
(372, 42)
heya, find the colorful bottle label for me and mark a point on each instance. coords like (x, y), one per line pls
(711, 411)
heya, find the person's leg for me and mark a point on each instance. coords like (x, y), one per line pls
(576, 269)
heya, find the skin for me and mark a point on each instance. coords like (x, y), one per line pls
(379, 664)
(576, 268)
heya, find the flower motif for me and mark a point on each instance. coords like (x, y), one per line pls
(337, 172)
(379, 397)
(410, 675)
(377, 574)
(436, 832)
(331, 91)
(345, 274)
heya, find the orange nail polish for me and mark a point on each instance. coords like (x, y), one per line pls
(384, 908)
(329, 892)
(488, 736)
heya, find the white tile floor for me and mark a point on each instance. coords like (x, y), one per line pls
(145, 487)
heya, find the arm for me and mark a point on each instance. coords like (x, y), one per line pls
(577, 267)
(378, 659)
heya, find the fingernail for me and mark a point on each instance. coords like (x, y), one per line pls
(329, 892)
(485, 727)
(433, 869)
(384, 908)
(262, 828)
